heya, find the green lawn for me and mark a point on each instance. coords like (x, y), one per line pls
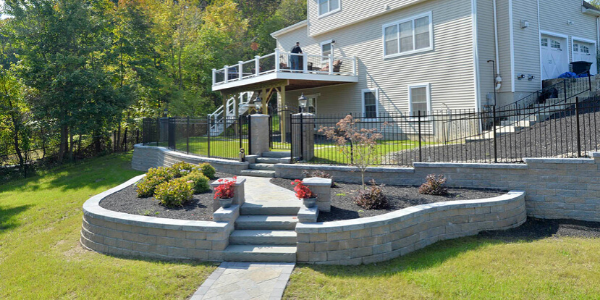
(40, 255)
(467, 268)
(330, 154)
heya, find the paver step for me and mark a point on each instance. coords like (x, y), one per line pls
(276, 154)
(269, 167)
(260, 253)
(263, 237)
(268, 160)
(258, 173)
(264, 222)
(281, 208)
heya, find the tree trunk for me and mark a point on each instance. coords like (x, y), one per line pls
(71, 146)
(64, 135)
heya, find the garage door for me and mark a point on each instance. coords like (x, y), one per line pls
(555, 58)
(585, 52)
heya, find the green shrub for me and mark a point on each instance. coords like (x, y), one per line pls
(176, 192)
(200, 183)
(434, 185)
(154, 177)
(208, 170)
(182, 169)
(372, 198)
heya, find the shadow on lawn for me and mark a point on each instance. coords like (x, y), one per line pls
(8, 216)
(436, 254)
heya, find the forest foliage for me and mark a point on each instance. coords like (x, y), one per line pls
(78, 69)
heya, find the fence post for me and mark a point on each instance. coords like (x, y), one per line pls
(590, 81)
(137, 135)
(249, 134)
(256, 65)
(209, 129)
(157, 130)
(419, 123)
(565, 88)
(578, 128)
(292, 160)
(240, 130)
(301, 137)
(271, 130)
(187, 136)
(495, 136)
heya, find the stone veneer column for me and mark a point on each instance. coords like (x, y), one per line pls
(259, 134)
(238, 193)
(308, 136)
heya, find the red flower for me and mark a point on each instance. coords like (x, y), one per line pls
(302, 191)
(225, 190)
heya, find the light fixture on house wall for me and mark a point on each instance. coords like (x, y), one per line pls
(524, 24)
(569, 22)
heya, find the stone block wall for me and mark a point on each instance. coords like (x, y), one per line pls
(375, 239)
(556, 188)
(146, 157)
(118, 233)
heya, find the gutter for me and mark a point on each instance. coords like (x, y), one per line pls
(289, 28)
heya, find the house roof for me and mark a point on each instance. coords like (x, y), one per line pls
(289, 28)
(587, 5)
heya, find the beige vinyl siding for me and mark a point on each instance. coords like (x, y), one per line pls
(554, 15)
(487, 49)
(449, 68)
(504, 48)
(527, 46)
(351, 11)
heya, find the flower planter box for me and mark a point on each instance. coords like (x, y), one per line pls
(238, 193)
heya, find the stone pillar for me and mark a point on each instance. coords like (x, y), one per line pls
(238, 193)
(321, 187)
(259, 134)
(303, 136)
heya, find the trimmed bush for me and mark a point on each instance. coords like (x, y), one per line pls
(200, 183)
(154, 177)
(182, 169)
(434, 185)
(208, 170)
(176, 192)
(373, 198)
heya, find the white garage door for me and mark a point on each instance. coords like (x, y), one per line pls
(555, 58)
(585, 52)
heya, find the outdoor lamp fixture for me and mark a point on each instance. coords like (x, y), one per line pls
(302, 101)
(166, 112)
(258, 104)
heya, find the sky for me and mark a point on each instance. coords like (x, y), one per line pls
(2, 7)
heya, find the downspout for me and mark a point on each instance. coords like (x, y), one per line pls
(498, 77)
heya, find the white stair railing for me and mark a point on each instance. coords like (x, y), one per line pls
(218, 117)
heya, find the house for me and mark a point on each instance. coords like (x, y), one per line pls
(407, 56)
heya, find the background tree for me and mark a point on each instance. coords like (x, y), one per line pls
(13, 117)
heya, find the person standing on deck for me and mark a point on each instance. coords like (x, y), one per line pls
(296, 58)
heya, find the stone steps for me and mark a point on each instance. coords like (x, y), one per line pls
(258, 173)
(263, 237)
(268, 167)
(283, 208)
(268, 160)
(260, 253)
(265, 222)
(276, 154)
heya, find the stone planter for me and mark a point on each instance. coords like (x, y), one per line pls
(238, 192)
(225, 203)
(309, 202)
(321, 187)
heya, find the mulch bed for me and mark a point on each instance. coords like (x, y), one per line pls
(399, 197)
(126, 201)
(540, 228)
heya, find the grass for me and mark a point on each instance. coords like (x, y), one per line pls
(330, 154)
(467, 268)
(40, 255)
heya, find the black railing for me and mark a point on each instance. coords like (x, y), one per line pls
(492, 136)
(280, 129)
(205, 136)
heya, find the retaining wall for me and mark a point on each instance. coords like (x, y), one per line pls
(555, 188)
(380, 238)
(118, 233)
(146, 157)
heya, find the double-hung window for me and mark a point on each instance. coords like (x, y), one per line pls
(408, 36)
(419, 97)
(327, 7)
(370, 99)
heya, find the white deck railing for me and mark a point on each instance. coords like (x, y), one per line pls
(280, 61)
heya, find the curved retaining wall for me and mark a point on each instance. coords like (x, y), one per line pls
(380, 238)
(146, 157)
(119, 233)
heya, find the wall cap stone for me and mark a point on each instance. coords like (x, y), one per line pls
(93, 209)
(403, 214)
(595, 154)
(344, 168)
(558, 160)
(195, 157)
(316, 181)
(469, 165)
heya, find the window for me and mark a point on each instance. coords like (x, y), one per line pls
(585, 49)
(419, 97)
(576, 47)
(555, 44)
(544, 42)
(408, 36)
(328, 6)
(370, 99)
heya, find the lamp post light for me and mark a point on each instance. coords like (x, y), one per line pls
(166, 112)
(258, 104)
(302, 101)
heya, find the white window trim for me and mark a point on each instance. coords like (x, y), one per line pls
(412, 18)
(427, 86)
(592, 51)
(331, 12)
(362, 94)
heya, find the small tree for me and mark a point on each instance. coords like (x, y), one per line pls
(357, 144)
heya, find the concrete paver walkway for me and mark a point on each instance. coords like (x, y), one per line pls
(240, 281)
(259, 189)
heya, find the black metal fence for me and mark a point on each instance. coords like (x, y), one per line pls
(206, 136)
(280, 128)
(566, 129)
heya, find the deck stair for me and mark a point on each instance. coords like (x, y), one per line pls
(535, 113)
(265, 165)
(264, 232)
(219, 116)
